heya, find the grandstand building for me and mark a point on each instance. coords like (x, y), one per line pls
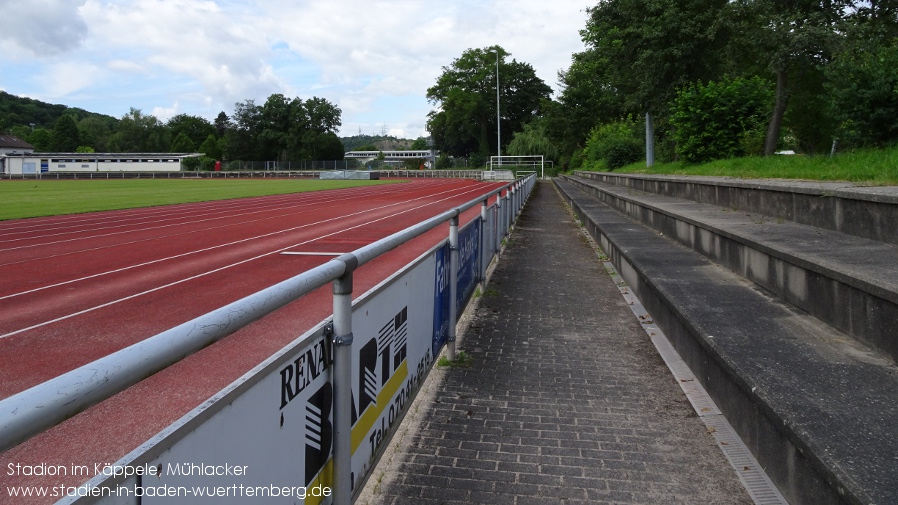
(392, 157)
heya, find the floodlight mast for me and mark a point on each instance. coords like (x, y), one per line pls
(498, 115)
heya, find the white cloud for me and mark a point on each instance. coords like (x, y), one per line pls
(65, 77)
(374, 59)
(127, 66)
(42, 28)
(165, 113)
(187, 38)
(397, 48)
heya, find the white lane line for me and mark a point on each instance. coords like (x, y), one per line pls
(193, 277)
(156, 211)
(161, 237)
(185, 209)
(206, 249)
(296, 253)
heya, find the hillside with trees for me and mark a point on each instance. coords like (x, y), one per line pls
(379, 143)
(281, 129)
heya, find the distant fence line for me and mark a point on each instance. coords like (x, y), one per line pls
(237, 174)
(302, 165)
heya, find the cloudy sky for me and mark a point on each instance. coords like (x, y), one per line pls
(373, 59)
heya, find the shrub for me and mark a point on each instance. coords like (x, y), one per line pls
(616, 144)
(190, 163)
(721, 119)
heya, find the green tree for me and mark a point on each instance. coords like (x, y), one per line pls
(194, 128)
(65, 137)
(783, 39)
(321, 146)
(533, 141)
(241, 139)
(210, 147)
(139, 132)
(640, 53)
(222, 124)
(863, 86)
(322, 115)
(420, 144)
(23, 132)
(285, 128)
(650, 49)
(182, 144)
(586, 99)
(465, 93)
(41, 139)
(313, 130)
(96, 131)
(275, 120)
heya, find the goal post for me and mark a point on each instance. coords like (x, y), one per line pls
(520, 164)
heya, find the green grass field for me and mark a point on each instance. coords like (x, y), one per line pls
(34, 198)
(874, 167)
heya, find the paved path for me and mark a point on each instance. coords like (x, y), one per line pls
(565, 400)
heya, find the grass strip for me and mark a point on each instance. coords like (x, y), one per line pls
(35, 198)
(871, 167)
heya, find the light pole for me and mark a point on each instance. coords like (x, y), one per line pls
(498, 115)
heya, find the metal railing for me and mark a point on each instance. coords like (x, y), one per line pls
(43, 406)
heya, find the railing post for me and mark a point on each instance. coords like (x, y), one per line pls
(342, 384)
(497, 233)
(483, 240)
(509, 210)
(453, 286)
(505, 212)
(512, 207)
(514, 201)
(516, 192)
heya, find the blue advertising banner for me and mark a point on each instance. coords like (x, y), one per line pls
(441, 299)
(468, 276)
(468, 263)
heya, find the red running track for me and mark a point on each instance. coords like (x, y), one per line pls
(76, 288)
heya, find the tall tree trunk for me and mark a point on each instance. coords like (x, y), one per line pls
(779, 110)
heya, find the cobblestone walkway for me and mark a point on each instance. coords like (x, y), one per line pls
(565, 400)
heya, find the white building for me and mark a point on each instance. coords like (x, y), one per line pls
(15, 163)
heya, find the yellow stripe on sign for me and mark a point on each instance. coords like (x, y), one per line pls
(325, 478)
(372, 413)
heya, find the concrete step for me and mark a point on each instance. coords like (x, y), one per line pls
(869, 212)
(847, 281)
(818, 409)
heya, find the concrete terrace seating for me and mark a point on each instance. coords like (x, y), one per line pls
(783, 299)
